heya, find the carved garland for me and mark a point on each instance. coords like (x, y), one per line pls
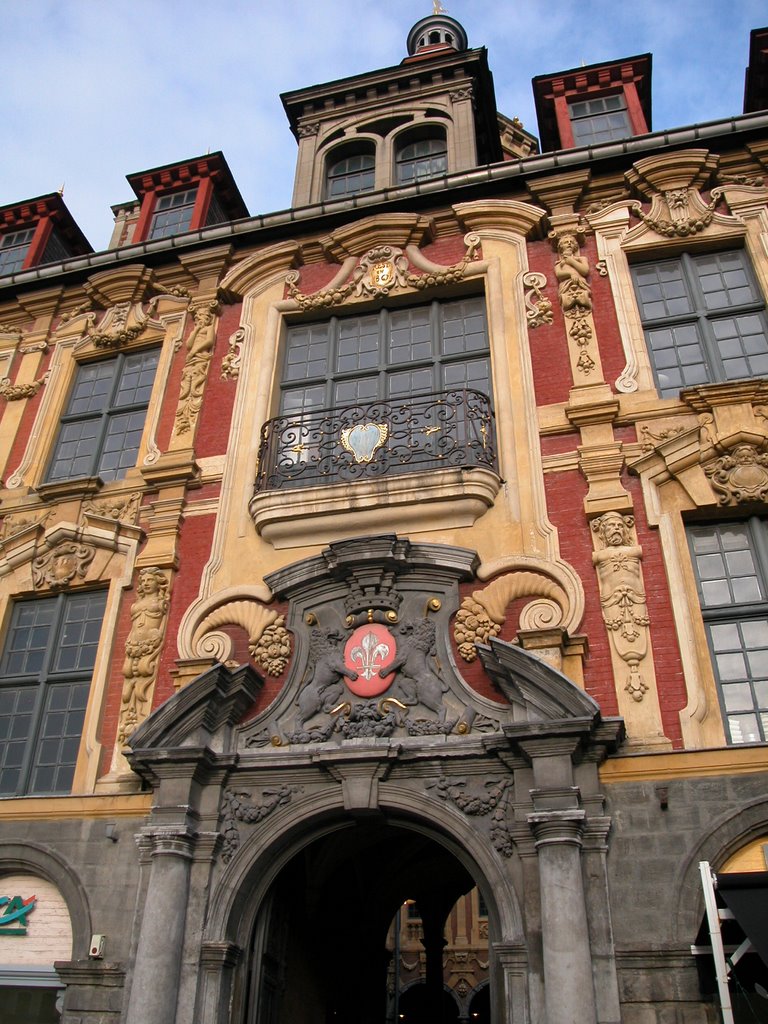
(494, 803)
(13, 392)
(237, 806)
(687, 213)
(380, 271)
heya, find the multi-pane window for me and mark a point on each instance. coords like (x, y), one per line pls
(601, 119)
(423, 158)
(101, 428)
(45, 677)
(704, 319)
(172, 214)
(389, 354)
(731, 565)
(13, 250)
(350, 174)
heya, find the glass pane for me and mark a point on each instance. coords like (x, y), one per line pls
(306, 353)
(137, 377)
(16, 706)
(410, 336)
(80, 630)
(93, 386)
(723, 280)
(54, 760)
(358, 345)
(728, 576)
(28, 637)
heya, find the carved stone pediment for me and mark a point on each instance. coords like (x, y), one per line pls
(673, 183)
(721, 458)
(367, 633)
(382, 270)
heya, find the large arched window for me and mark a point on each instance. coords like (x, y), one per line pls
(424, 156)
(350, 170)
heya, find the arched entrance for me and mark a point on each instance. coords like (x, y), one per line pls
(319, 951)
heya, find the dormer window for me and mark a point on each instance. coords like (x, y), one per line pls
(602, 119)
(173, 214)
(13, 250)
(425, 157)
(589, 106)
(350, 172)
(36, 232)
(185, 197)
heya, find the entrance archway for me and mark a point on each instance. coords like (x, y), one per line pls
(319, 953)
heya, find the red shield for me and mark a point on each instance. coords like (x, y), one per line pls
(369, 652)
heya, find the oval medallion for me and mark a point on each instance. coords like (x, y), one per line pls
(370, 649)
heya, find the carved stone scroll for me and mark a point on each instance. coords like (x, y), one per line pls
(269, 642)
(538, 308)
(622, 594)
(149, 614)
(195, 373)
(482, 615)
(232, 361)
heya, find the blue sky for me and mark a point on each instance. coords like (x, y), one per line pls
(97, 89)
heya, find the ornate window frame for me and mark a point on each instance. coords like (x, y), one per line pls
(695, 453)
(128, 324)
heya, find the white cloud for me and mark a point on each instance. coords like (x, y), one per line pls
(97, 89)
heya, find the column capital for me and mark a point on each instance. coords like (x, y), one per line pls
(167, 840)
(220, 954)
(558, 827)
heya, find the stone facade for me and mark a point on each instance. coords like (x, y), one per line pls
(423, 623)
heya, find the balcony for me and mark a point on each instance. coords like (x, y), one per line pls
(406, 457)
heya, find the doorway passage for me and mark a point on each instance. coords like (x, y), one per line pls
(336, 940)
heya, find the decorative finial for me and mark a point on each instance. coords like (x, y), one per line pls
(61, 189)
(437, 7)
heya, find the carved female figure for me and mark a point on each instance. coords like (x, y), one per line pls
(571, 271)
(142, 648)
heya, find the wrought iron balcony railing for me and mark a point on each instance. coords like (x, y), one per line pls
(437, 431)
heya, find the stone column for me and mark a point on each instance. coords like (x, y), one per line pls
(154, 991)
(433, 926)
(569, 990)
